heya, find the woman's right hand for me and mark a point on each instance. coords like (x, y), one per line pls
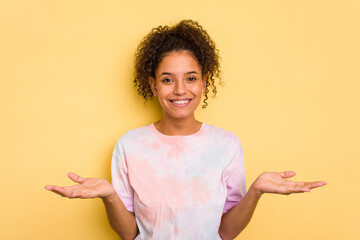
(86, 188)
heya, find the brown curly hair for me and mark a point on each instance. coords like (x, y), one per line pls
(187, 35)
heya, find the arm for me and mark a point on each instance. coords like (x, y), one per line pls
(121, 220)
(236, 219)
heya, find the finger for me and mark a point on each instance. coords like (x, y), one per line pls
(287, 174)
(312, 185)
(58, 190)
(81, 193)
(76, 194)
(77, 186)
(305, 184)
(296, 189)
(293, 183)
(48, 187)
(307, 187)
(52, 187)
(69, 193)
(76, 178)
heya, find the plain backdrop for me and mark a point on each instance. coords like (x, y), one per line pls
(291, 93)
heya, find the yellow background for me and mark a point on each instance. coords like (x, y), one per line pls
(291, 93)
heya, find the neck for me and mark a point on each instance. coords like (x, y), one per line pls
(169, 126)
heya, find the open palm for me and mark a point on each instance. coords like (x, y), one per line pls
(277, 182)
(86, 188)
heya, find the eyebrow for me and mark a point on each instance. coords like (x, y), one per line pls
(167, 73)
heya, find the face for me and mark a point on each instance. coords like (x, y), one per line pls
(178, 84)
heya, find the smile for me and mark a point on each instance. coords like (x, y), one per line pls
(180, 103)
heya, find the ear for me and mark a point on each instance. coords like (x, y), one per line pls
(152, 83)
(204, 80)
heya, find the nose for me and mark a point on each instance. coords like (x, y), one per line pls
(180, 87)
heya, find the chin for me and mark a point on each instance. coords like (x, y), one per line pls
(180, 115)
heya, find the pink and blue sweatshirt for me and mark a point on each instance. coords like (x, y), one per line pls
(178, 186)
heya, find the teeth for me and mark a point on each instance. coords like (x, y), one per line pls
(181, 101)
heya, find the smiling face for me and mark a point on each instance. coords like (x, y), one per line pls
(178, 84)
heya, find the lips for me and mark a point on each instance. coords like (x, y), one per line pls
(181, 102)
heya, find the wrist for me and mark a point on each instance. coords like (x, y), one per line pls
(255, 191)
(110, 197)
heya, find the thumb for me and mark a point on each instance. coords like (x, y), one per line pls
(76, 178)
(288, 174)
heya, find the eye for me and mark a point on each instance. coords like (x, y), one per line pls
(191, 79)
(166, 80)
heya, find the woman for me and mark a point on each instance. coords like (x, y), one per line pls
(179, 178)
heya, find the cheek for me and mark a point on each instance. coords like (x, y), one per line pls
(197, 90)
(163, 93)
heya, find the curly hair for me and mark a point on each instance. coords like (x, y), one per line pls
(187, 35)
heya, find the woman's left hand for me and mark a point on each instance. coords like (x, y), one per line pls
(277, 182)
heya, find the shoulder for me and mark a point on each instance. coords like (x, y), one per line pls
(137, 131)
(134, 136)
(132, 140)
(225, 136)
(229, 146)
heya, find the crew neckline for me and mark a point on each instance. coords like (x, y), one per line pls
(176, 137)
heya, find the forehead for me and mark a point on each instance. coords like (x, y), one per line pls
(178, 62)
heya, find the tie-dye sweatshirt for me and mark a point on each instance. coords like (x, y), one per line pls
(178, 186)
